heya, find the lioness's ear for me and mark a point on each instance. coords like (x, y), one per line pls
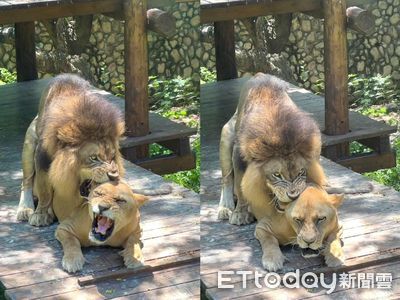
(336, 199)
(140, 199)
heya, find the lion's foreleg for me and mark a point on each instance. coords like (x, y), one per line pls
(26, 205)
(272, 258)
(73, 259)
(226, 202)
(333, 251)
(241, 215)
(132, 252)
(43, 214)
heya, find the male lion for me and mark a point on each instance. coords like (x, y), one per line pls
(70, 144)
(311, 222)
(110, 217)
(272, 137)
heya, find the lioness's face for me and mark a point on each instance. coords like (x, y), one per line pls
(286, 178)
(99, 162)
(313, 216)
(113, 206)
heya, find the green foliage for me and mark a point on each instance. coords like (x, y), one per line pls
(207, 75)
(375, 111)
(364, 92)
(357, 148)
(389, 177)
(7, 77)
(189, 179)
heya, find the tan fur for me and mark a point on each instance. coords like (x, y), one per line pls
(300, 226)
(73, 124)
(268, 132)
(75, 231)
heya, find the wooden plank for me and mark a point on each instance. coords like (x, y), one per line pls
(369, 162)
(336, 73)
(150, 267)
(231, 10)
(136, 73)
(25, 51)
(25, 12)
(168, 164)
(224, 35)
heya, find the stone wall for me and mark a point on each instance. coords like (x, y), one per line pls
(375, 54)
(103, 59)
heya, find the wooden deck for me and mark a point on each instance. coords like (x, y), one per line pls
(30, 258)
(371, 222)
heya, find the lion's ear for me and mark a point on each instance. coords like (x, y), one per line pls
(140, 199)
(336, 199)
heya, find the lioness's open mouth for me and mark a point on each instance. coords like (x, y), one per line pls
(102, 227)
(308, 252)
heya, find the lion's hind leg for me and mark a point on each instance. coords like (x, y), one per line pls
(26, 204)
(241, 215)
(226, 202)
(43, 215)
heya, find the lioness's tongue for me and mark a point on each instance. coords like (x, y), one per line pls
(103, 223)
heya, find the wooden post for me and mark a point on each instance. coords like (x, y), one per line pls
(136, 73)
(25, 51)
(336, 89)
(224, 35)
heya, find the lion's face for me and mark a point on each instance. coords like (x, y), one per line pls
(100, 162)
(313, 216)
(113, 206)
(286, 178)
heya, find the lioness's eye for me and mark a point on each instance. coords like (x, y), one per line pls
(120, 201)
(298, 221)
(320, 220)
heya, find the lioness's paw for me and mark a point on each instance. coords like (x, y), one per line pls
(273, 262)
(132, 263)
(224, 213)
(241, 218)
(334, 261)
(41, 219)
(73, 262)
(24, 213)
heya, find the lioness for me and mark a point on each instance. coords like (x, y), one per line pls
(73, 142)
(310, 222)
(110, 217)
(271, 138)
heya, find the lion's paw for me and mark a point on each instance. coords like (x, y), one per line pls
(273, 262)
(24, 213)
(41, 219)
(224, 213)
(333, 261)
(73, 262)
(241, 218)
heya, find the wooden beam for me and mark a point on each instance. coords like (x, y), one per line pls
(369, 162)
(224, 36)
(192, 257)
(29, 11)
(214, 13)
(25, 51)
(336, 72)
(161, 22)
(360, 20)
(136, 72)
(167, 164)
